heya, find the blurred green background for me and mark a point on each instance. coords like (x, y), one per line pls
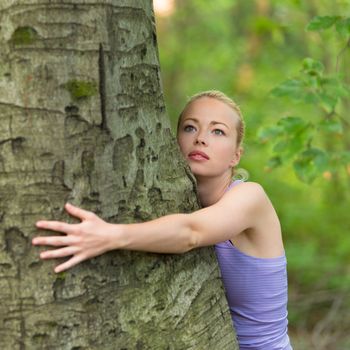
(247, 49)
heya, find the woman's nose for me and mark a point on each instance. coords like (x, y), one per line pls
(201, 139)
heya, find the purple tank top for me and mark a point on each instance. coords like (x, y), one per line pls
(257, 295)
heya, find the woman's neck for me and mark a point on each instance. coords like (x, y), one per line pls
(210, 190)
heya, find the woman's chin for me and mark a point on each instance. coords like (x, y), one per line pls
(204, 173)
(200, 173)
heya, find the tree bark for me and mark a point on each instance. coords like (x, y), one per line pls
(82, 119)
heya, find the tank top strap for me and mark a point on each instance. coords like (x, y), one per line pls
(233, 184)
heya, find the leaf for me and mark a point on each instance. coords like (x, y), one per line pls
(310, 164)
(343, 27)
(291, 88)
(329, 102)
(268, 133)
(320, 158)
(292, 124)
(312, 81)
(311, 97)
(331, 125)
(335, 87)
(289, 147)
(322, 22)
(313, 67)
(304, 171)
(280, 146)
(273, 163)
(296, 133)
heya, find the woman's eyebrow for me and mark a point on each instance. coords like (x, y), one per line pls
(214, 123)
(194, 119)
(211, 123)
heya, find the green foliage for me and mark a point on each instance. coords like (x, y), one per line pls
(291, 88)
(314, 87)
(24, 36)
(343, 27)
(322, 22)
(331, 125)
(325, 92)
(310, 163)
(342, 24)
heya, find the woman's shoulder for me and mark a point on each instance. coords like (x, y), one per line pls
(247, 192)
(248, 187)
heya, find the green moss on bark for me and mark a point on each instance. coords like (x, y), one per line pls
(24, 36)
(80, 89)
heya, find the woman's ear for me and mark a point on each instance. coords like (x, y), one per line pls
(236, 157)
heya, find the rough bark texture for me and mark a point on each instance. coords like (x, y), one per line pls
(82, 119)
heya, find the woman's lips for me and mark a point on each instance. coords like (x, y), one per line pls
(198, 155)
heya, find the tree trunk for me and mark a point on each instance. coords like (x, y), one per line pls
(82, 119)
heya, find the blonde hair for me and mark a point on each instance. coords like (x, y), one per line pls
(241, 174)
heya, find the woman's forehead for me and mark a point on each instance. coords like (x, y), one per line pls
(212, 109)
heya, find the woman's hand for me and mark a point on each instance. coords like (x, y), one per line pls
(91, 237)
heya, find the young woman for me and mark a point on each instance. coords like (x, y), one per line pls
(237, 217)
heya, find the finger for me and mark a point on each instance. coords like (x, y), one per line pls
(58, 226)
(55, 241)
(76, 259)
(78, 212)
(58, 253)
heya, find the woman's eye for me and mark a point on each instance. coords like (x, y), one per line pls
(218, 132)
(189, 128)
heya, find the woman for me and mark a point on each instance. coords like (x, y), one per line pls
(237, 217)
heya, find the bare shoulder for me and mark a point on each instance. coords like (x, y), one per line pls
(248, 196)
(250, 186)
(249, 190)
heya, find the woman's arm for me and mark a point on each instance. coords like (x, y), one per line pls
(235, 212)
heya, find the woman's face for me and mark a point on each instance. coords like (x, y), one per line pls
(207, 137)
